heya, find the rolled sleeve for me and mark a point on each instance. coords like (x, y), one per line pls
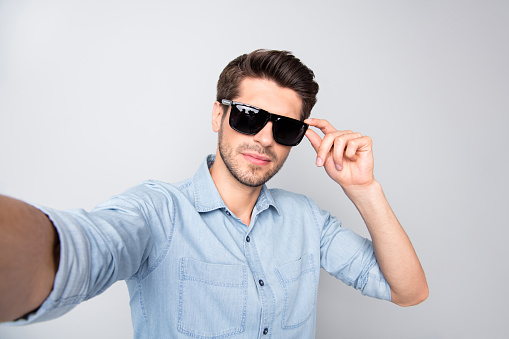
(350, 258)
(97, 249)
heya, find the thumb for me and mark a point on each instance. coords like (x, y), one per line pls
(314, 139)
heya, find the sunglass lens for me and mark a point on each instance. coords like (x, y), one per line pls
(288, 132)
(247, 120)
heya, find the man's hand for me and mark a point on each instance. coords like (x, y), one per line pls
(346, 156)
(348, 159)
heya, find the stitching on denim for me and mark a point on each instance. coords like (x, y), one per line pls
(284, 284)
(233, 331)
(274, 310)
(212, 208)
(300, 275)
(142, 305)
(129, 199)
(132, 201)
(192, 277)
(181, 294)
(314, 216)
(166, 248)
(312, 310)
(198, 204)
(266, 290)
(236, 330)
(213, 283)
(272, 192)
(244, 294)
(185, 184)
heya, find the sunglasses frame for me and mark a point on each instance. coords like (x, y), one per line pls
(275, 118)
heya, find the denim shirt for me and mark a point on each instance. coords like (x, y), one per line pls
(194, 270)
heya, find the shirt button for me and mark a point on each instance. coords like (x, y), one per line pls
(265, 331)
(261, 282)
(248, 239)
(228, 213)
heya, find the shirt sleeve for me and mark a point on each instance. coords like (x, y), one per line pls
(350, 257)
(97, 248)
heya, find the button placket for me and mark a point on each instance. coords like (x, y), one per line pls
(265, 292)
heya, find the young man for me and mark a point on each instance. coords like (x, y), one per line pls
(219, 255)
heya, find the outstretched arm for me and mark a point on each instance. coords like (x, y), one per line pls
(348, 159)
(29, 255)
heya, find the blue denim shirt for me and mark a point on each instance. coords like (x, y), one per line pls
(194, 270)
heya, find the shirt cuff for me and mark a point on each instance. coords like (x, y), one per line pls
(376, 286)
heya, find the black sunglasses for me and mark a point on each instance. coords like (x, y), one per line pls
(250, 120)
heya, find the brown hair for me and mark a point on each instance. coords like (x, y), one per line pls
(282, 67)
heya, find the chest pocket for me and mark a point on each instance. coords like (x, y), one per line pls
(212, 299)
(299, 282)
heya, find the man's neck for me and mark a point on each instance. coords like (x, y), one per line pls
(239, 198)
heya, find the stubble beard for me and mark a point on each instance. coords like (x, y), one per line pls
(254, 175)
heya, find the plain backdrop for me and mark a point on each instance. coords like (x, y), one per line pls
(98, 96)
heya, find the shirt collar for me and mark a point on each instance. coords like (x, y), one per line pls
(207, 198)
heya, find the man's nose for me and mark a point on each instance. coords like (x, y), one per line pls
(265, 137)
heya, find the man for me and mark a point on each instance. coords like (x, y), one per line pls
(219, 255)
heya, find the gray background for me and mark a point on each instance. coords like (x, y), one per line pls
(98, 96)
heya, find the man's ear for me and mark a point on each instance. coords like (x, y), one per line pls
(217, 116)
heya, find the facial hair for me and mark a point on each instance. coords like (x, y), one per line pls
(253, 175)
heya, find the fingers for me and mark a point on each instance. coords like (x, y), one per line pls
(338, 144)
(314, 139)
(356, 146)
(321, 124)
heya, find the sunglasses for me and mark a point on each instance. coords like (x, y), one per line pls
(247, 119)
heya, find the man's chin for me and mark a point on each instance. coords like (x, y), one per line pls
(246, 170)
(251, 179)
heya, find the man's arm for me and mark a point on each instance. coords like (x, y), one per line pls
(348, 160)
(29, 255)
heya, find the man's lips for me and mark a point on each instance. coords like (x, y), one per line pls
(255, 158)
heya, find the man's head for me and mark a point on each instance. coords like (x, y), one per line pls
(253, 159)
(279, 66)
(263, 81)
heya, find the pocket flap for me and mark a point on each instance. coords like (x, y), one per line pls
(214, 274)
(293, 270)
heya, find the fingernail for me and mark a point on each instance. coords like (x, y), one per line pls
(319, 161)
(338, 167)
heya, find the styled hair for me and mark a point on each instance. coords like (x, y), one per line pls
(282, 67)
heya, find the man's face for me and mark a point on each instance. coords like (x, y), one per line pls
(254, 159)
